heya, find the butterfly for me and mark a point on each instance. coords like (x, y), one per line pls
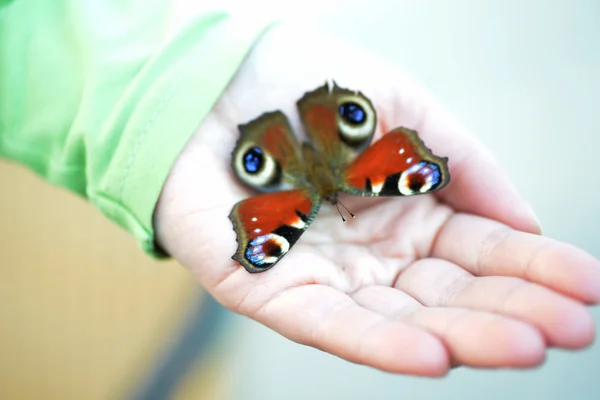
(296, 178)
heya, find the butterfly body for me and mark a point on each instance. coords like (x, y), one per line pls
(296, 178)
(320, 176)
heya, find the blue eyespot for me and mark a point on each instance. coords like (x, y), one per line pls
(253, 160)
(423, 175)
(264, 251)
(427, 170)
(432, 174)
(352, 113)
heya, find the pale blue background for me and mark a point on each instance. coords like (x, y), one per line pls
(525, 77)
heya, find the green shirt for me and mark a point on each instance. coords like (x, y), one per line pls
(100, 96)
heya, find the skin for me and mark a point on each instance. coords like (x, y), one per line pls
(413, 285)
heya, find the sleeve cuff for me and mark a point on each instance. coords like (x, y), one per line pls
(160, 112)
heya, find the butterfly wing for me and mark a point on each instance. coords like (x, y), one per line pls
(399, 164)
(268, 225)
(267, 157)
(339, 122)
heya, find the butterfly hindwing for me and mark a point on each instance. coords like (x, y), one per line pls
(268, 225)
(339, 122)
(398, 164)
(267, 154)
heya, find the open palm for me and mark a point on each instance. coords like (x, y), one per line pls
(413, 284)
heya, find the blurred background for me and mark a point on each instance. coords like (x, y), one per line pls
(85, 315)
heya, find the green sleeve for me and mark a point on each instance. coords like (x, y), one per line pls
(100, 96)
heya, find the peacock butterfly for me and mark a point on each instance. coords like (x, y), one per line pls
(340, 124)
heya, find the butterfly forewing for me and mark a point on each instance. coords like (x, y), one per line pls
(268, 225)
(398, 164)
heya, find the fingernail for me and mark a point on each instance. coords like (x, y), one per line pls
(533, 215)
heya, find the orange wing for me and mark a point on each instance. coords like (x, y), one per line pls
(399, 164)
(267, 226)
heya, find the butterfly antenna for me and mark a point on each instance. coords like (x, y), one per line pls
(345, 208)
(337, 207)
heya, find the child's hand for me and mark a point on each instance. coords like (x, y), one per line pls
(412, 285)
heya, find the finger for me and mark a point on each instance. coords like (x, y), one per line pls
(437, 283)
(479, 184)
(484, 247)
(482, 187)
(322, 317)
(473, 338)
